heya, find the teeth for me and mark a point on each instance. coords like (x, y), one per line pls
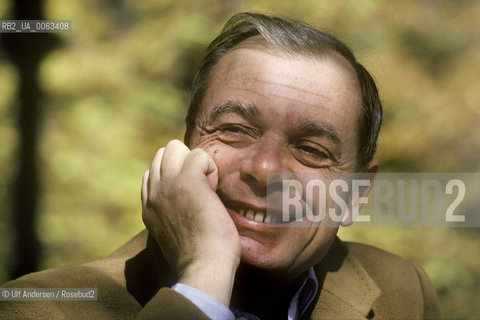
(250, 214)
(263, 217)
(259, 216)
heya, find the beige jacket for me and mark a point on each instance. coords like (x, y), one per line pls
(356, 282)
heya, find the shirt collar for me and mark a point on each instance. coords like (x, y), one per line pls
(304, 296)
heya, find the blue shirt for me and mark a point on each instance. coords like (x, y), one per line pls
(216, 310)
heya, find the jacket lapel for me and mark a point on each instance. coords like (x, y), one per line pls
(346, 291)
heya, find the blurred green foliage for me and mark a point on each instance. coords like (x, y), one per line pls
(118, 89)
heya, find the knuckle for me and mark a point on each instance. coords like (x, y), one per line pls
(175, 144)
(172, 143)
(198, 151)
(199, 154)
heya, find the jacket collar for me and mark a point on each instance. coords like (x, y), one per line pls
(346, 290)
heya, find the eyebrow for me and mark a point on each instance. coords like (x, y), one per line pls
(251, 113)
(247, 111)
(321, 130)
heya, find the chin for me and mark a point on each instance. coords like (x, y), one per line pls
(256, 255)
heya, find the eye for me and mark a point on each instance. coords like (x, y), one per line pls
(233, 129)
(235, 134)
(314, 152)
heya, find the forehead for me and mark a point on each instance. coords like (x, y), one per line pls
(287, 85)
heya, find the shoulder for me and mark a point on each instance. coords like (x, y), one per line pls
(384, 266)
(400, 280)
(83, 276)
(107, 276)
(379, 261)
(109, 271)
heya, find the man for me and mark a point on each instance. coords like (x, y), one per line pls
(271, 96)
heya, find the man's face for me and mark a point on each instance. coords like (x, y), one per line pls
(265, 112)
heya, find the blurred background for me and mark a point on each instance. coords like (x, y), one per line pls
(82, 114)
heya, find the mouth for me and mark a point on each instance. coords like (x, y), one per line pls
(261, 215)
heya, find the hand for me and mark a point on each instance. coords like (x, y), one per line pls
(188, 220)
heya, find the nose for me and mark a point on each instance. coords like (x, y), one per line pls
(265, 157)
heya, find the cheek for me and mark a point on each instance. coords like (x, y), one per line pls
(227, 161)
(306, 247)
(319, 245)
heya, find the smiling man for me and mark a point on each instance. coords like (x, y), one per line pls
(271, 96)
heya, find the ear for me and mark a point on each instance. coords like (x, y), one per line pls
(372, 167)
(369, 173)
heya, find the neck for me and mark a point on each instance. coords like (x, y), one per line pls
(263, 293)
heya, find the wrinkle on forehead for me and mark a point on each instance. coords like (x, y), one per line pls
(292, 95)
(292, 83)
(259, 43)
(286, 110)
(288, 86)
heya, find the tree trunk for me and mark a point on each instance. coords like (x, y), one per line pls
(26, 52)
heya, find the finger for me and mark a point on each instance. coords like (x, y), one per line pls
(199, 164)
(175, 154)
(154, 172)
(144, 191)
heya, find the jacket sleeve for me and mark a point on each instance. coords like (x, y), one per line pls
(169, 304)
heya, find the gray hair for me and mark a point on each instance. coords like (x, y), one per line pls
(291, 37)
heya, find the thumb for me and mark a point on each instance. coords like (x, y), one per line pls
(212, 173)
(213, 179)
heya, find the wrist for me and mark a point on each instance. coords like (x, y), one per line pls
(211, 276)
